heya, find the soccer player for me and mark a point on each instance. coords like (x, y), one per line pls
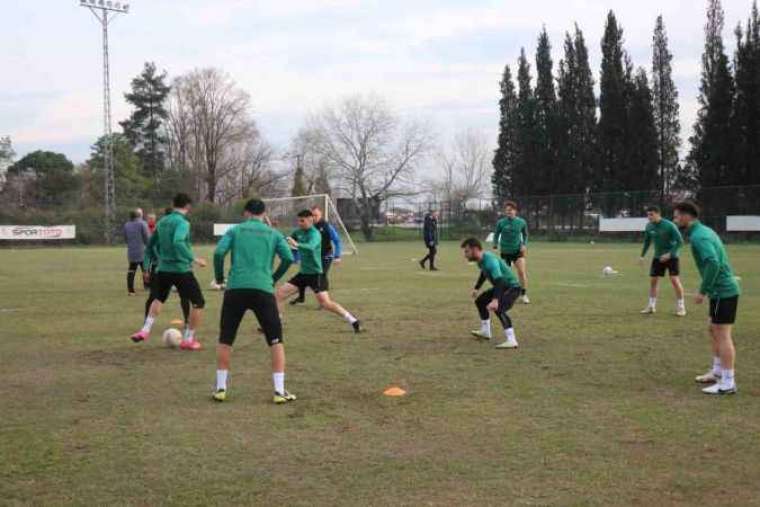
(511, 236)
(175, 270)
(307, 240)
(150, 267)
(136, 237)
(719, 285)
(430, 236)
(498, 299)
(667, 242)
(331, 250)
(253, 246)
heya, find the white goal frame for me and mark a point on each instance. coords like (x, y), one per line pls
(328, 207)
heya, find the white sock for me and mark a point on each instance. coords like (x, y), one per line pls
(728, 378)
(221, 379)
(278, 379)
(681, 303)
(148, 324)
(485, 327)
(509, 334)
(350, 318)
(189, 335)
(717, 370)
(652, 302)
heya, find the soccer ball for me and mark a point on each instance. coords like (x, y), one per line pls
(172, 338)
(608, 271)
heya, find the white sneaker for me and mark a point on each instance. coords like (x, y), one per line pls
(719, 388)
(507, 344)
(480, 335)
(648, 310)
(707, 378)
(681, 312)
(525, 299)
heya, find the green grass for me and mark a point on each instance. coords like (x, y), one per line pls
(597, 407)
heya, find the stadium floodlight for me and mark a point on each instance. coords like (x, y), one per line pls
(104, 11)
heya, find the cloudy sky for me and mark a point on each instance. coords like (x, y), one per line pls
(439, 60)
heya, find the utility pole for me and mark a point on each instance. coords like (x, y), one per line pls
(105, 11)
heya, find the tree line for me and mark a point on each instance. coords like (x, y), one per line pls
(558, 137)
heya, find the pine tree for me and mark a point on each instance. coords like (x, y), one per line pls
(546, 132)
(711, 156)
(504, 157)
(144, 129)
(612, 122)
(526, 155)
(666, 109)
(746, 108)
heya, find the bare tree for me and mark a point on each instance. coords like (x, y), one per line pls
(315, 166)
(466, 167)
(371, 153)
(210, 128)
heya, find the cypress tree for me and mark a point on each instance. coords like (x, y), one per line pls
(526, 159)
(666, 109)
(612, 122)
(746, 107)
(546, 133)
(505, 155)
(711, 156)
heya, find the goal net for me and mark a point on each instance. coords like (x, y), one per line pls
(283, 214)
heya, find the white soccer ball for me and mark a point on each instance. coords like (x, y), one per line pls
(172, 338)
(608, 271)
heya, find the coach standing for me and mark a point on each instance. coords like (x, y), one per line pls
(430, 235)
(136, 237)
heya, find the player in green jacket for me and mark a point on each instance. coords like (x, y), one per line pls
(253, 246)
(308, 241)
(511, 238)
(720, 287)
(175, 269)
(499, 299)
(667, 243)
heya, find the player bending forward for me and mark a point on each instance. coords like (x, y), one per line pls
(175, 269)
(253, 246)
(667, 242)
(511, 237)
(719, 284)
(308, 241)
(330, 254)
(498, 299)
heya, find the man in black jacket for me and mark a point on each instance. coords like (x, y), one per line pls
(430, 235)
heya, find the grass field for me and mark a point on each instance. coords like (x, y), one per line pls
(598, 406)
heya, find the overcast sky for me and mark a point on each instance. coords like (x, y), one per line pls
(440, 60)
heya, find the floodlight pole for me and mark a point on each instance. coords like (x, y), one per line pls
(106, 8)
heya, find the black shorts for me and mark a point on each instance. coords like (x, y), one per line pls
(506, 302)
(510, 257)
(672, 265)
(723, 311)
(317, 283)
(186, 284)
(264, 306)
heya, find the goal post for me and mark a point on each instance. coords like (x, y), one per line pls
(283, 215)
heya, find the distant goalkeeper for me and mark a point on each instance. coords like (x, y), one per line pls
(499, 299)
